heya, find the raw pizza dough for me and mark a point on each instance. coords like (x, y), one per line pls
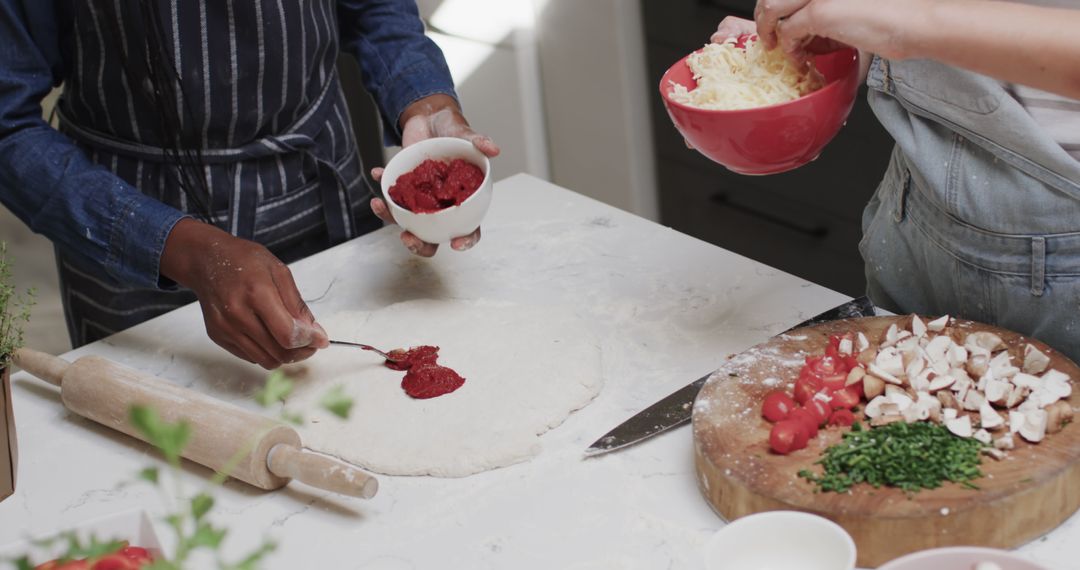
(526, 369)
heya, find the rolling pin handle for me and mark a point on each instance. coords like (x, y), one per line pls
(45, 366)
(324, 472)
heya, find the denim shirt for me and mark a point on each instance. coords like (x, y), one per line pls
(53, 186)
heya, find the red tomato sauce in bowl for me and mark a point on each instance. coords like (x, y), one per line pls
(436, 185)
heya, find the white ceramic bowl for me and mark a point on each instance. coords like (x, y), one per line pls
(960, 558)
(780, 540)
(455, 221)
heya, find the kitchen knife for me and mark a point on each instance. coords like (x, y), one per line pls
(675, 409)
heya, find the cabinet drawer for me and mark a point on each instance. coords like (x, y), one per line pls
(734, 213)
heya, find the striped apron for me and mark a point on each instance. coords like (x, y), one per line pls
(259, 85)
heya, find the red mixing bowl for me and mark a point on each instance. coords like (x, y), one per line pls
(774, 138)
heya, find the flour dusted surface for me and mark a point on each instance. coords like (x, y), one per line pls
(526, 369)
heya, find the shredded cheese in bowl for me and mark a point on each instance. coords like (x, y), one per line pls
(730, 78)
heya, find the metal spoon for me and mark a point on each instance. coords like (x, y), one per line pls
(367, 347)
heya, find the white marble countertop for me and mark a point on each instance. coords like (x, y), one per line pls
(671, 306)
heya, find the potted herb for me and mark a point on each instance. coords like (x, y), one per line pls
(14, 313)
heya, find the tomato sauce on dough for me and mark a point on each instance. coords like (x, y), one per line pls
(424, 376)
(435, 185)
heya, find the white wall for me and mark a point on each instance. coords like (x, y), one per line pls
(592, 61)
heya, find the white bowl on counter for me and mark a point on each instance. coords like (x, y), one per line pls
(961, 558)
(780, 540)
(452, 222)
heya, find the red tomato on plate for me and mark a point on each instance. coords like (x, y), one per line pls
(842, 417)
(847, 398)
(787, 436)
(777, 406)
(807, 418)
(115, 561)
(137, 554)
(820, 409)
(806, 388)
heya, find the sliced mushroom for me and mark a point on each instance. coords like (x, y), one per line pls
(989, 418)
(1057, 383)
(983, 436)
(949, 414)
(900, 398)
(998, 455)
(861, 342)
(1001, 366)
(1016, 395)
(891, 361)
(974, 400)
(1004, 442)
(884, 375)
(873, 386)
(892, 334)
(846, 347)
(886, 419)
(1016, 421)
(938, 348)
(921, 381)
(1034, 428)
(941, 382)
(1035, 360)
(938, 324)
(957, 356)
(948, 400)
(960, 426)
(997, 391)
(1024, 380)
(873, 407)
(918, 327)
(1058, 415)
(1042, 397)
(855, 375)
(983, 341)
(866, 356)
(977, 365)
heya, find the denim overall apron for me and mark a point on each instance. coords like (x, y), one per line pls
(978, 214)
(259, 83)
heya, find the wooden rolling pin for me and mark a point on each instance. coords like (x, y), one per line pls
(104, 391)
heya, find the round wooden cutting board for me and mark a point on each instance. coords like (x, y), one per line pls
(1026, 494)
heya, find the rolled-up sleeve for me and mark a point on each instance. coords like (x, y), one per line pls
(398, 62)
(48, 182)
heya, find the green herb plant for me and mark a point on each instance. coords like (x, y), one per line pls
(911, 457)
(14, 310)
(190, 520)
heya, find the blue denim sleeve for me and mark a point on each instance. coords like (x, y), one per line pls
(398, 62)
(48, 182)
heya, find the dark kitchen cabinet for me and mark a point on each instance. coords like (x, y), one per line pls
(806, 221)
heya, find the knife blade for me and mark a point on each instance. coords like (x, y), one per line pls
(675, 409)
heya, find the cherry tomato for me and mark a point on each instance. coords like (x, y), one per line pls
(115, 561)
(842, 417)
(806, 387)
(847, 398)
(787, 436)
(807, 418)
(777, 406)
(137, 554)
(73, 565)
(850, 362)
(820, 409)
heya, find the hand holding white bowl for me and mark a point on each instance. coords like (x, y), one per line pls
(431, 117)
